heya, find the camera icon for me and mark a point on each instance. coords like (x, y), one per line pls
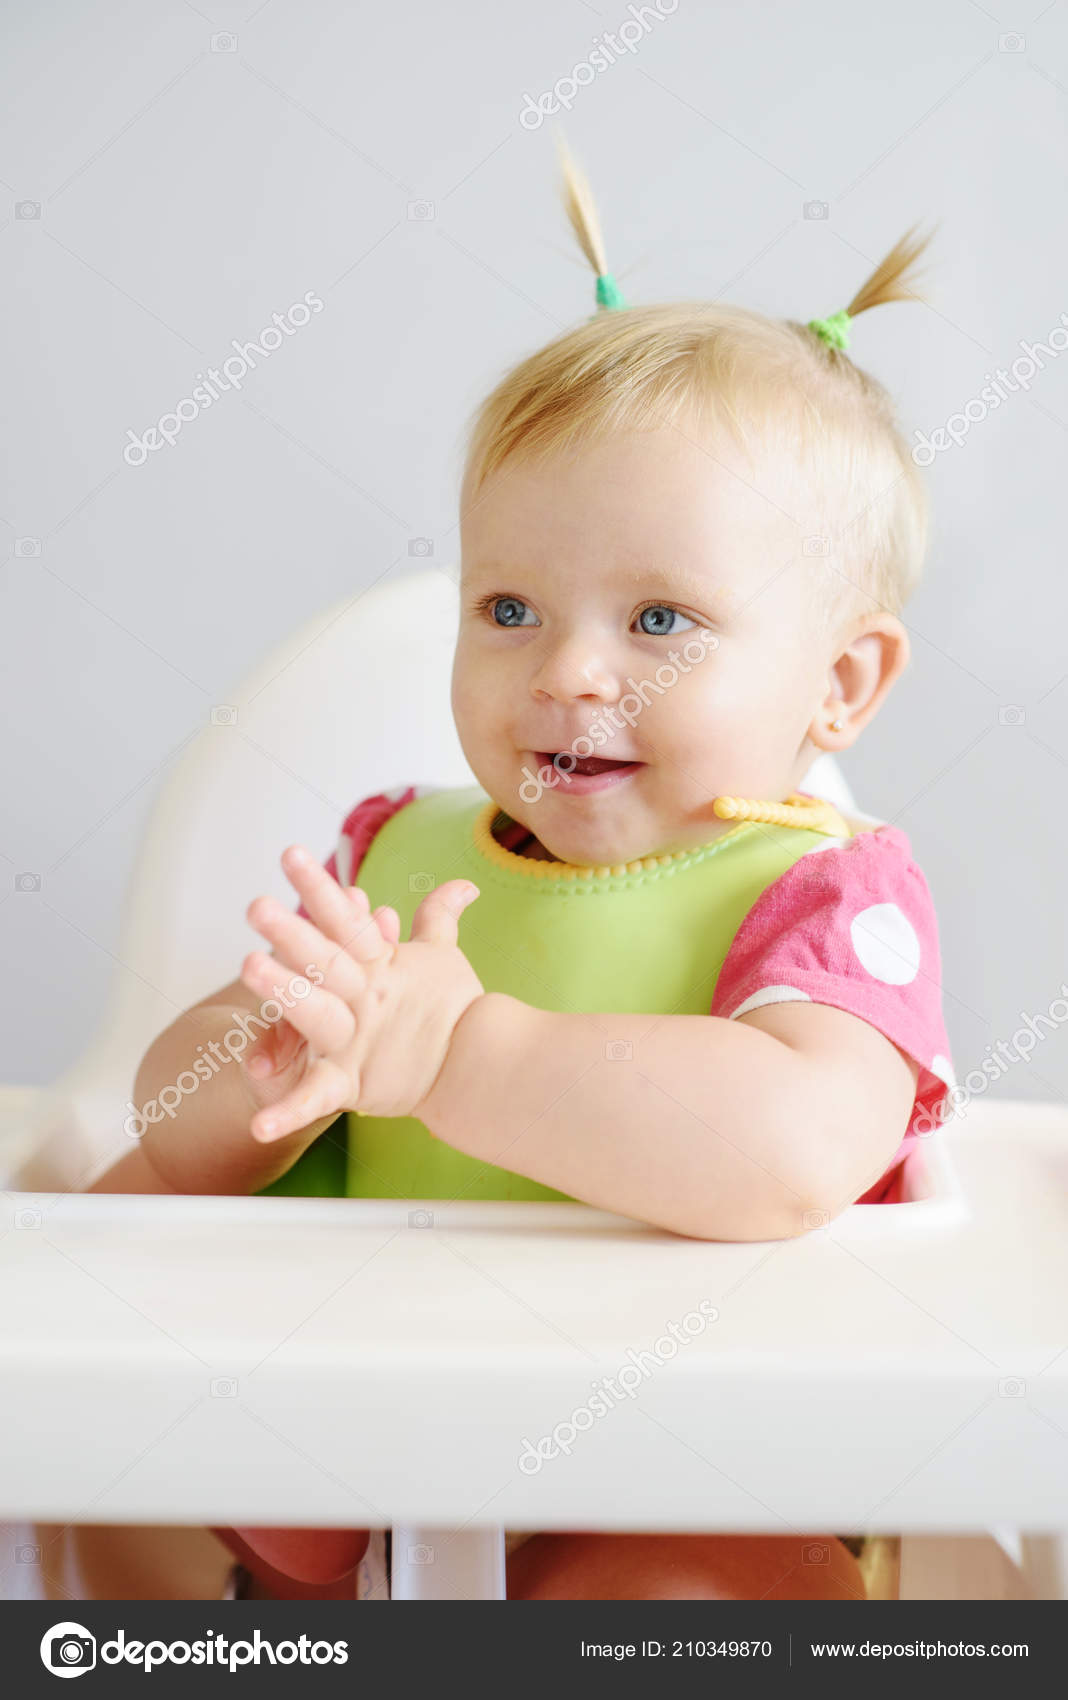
(815, 1552)
(420, 209)
(28, 1218)
(816, 209)
(224, 42)
(27, 1555)
(420, 1218)
(1011, 1387)
(27, 882)
(618, 1050)
(27, 209)
(815, 1218)
(1011, 714)
(421, 546)
(420, 882)
(1011, 43)
(815, 546)
(69, 1647)
(26, 547)
(420, 1555)
(224, 714)
(224, 1387)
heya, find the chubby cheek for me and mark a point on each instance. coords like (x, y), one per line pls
(465, 721)
(476, 702)
(714, 733)
(695, 714)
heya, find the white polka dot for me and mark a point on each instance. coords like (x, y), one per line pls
(943, 1068)
(770, 994)
(886, 944)
(825, 844)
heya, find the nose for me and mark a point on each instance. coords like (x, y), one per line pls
(575, 665)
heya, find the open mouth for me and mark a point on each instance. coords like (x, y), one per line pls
(581, 774)
(587, 766)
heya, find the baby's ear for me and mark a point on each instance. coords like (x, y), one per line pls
(862, 677)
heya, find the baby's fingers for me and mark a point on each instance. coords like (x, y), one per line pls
(388, 923)
(273, 1051)
(436, 921)
(319, 1016)
(325, 1089)
(340, 912)
(301, 946)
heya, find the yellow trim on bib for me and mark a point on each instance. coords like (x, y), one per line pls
(485, 842)
(813, 814)
(810, 814)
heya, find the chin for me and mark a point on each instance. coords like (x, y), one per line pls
(589, 850)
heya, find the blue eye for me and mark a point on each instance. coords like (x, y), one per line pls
(661, 629)
(509, 611)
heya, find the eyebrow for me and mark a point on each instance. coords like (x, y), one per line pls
(685, 584)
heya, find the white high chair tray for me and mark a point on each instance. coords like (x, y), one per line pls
(317, 1362)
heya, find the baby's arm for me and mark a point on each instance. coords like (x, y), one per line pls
(721, 1129)
(206, 1147)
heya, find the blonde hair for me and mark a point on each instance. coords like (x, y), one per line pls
(774, 383)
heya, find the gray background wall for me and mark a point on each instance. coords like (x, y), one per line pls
(188, 171)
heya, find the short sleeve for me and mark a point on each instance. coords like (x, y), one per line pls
(359, 828)
(852, 924)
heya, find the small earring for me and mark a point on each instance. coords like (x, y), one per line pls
(836, 725)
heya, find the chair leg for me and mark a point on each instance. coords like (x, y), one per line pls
(879, 1559)
(1044, 1564)
(959, 1567)
(21, 1570)
(447, 1564)
(102, 1561)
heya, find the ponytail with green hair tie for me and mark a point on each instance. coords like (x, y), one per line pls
(833, 331)
(608, 291)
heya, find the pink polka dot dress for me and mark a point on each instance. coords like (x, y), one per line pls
(852, 924)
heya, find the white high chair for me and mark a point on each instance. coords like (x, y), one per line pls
(354, 702)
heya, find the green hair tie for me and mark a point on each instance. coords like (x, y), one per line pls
(833, 331)
(608, 293)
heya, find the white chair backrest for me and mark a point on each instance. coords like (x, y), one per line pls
(353, 702)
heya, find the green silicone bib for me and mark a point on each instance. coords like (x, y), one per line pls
(651, 937)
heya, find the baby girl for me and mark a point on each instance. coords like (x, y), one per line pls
(641, 966)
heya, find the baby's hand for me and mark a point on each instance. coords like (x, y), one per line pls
(378, 1025)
